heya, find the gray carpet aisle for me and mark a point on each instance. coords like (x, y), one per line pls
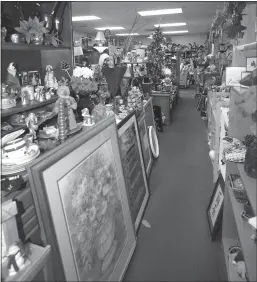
(177, 247)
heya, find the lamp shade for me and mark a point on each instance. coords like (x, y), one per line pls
(100, 49)
(100, 36)
(78, 51)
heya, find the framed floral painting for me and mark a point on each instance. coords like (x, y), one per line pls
(133, 168)
(143, 133)
(82, 205)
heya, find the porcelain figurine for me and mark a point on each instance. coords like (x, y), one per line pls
(87, 118)
(50, 80)
(24, 97)
(12, 80)
(31, 123)
(38, 93)
(69, 105)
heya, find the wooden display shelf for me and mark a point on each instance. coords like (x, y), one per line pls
(32, 105)
(25, 46)
(250, 186)
(38, 259)
(244, 231)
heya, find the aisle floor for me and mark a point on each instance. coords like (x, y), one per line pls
(177, 247)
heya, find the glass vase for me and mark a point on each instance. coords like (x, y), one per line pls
(37, 39)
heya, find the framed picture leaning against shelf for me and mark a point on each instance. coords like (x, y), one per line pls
(143, 133)
(82, 205)
(215, 207)
(133, 168)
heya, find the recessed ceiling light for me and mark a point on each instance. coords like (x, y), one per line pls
(85, 18)
(110, 28)
(175, 31)
(126, 34)
(169, 24)
(160, 12)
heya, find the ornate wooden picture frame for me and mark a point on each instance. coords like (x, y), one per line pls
(82, 206)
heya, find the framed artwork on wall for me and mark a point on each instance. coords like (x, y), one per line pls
(244, 74)
(233, 75)
(251, 63)
(133, 168)
(82, 205)
(215, 207)
(143, 133)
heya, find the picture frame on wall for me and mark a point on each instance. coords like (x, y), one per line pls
(143, 133)
(82, 206)
(133, 168)
(215, 207)
(233, 75)
(251, 64)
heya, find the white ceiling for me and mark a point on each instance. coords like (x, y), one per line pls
(197, 15)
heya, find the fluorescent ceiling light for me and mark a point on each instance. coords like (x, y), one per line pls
(160, 12)
(126, 34)
(110, 28)
(170, 24)
(85, 18)
(175, 31)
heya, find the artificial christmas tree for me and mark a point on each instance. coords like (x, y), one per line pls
(156, 56)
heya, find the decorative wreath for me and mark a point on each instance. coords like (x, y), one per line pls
(154, 144)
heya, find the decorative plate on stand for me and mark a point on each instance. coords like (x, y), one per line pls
(154, 144)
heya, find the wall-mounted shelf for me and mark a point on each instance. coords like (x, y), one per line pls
(24, 46)
(33, 105)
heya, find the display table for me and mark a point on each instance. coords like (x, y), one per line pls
(165, 101)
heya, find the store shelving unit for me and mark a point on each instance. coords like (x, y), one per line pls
(236, 230)
(31, 57)
(215, 106)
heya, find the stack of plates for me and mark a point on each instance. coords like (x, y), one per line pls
(16, 165)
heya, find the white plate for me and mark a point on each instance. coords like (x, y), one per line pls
(20, 160)
(12, 169)
(153, 141)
